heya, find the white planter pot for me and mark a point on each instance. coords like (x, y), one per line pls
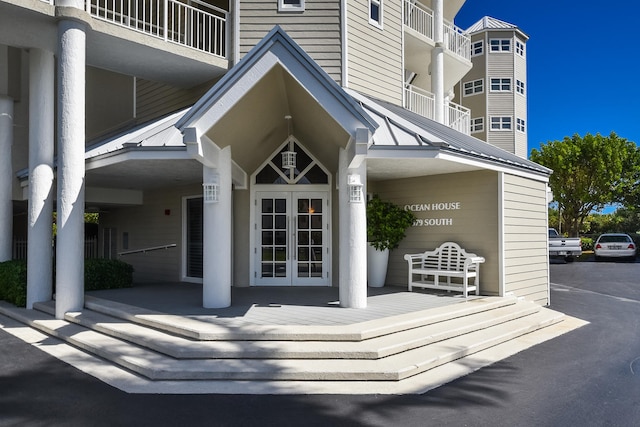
(377, 262)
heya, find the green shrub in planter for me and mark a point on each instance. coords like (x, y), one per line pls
(107, 274)
(13, 282)
(386, 223)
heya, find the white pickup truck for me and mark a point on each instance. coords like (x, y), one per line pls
(565, 247)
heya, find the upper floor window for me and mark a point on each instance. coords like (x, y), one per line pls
(501, 123)
(477, 48)
(500, 45)
(501, 85)
(477, 125)
(519, 48)
(375, 12)
(520, 87)
(520, 125)
(290, 5)
(473, 87)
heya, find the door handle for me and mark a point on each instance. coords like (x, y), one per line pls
(293, 237)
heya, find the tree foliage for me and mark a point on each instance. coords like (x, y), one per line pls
(590, 173)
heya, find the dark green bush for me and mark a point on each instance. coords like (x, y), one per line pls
(13, 282)
(98, 274)
(107, 274)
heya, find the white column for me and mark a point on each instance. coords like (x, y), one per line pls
(353, 239)
(437, 61)
(71, 147)
(6, 178)
(41, 144)
(217, 234)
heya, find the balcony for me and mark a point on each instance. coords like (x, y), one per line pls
(419, 18)
(197, 25)
(419, 43)
(422, 102)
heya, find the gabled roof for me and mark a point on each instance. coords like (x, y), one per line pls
(489, 23)
(401, 128)
(275, 47)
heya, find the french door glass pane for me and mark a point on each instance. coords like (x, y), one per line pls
(309, 251)
(273, 250)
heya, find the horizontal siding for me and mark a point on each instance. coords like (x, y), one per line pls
(475, 225)
(526, 269)
(155, 99)
(317, 29)
(374, 54)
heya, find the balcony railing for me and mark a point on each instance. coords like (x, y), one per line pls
(419, 18)
(420, 101)
(423, 102)
(459, 118)
(457, 40)
(197, 25)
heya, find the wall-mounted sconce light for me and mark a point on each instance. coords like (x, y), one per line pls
(211, 190)
(355, 189)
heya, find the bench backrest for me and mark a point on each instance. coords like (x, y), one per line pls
(448, 256)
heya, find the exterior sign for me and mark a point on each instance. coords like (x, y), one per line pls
(433, 207)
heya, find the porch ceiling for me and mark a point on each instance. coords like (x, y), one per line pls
(256, 125)
(380, 169)
(146, 174)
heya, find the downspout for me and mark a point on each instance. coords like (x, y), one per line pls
(501, 254)
(236, 32)
(344, 40)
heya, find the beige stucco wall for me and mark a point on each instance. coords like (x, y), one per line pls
(157, 222)
(473, 224)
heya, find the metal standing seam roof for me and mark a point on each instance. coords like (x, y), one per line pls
(489, 23)
(400, 127)
(157, 133)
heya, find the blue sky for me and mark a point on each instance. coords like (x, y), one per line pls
(582, 59)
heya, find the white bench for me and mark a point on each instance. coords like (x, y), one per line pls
(448, 261)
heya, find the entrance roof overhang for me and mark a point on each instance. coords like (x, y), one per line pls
(246, 110)
(420, 146)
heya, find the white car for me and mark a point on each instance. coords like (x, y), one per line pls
(618, 245)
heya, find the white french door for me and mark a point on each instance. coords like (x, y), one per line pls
(292, 238)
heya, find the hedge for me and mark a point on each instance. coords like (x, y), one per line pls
(98, 274)
(107, 274)
(13, 282)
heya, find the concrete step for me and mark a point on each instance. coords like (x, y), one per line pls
(373, 348)
(227, 330)
(395, 367)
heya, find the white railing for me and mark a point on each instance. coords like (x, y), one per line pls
(197, 25)
(459, 118)
(423, 102)
(457, 40)
(20, 247)
(420, 101)
(419, 18)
